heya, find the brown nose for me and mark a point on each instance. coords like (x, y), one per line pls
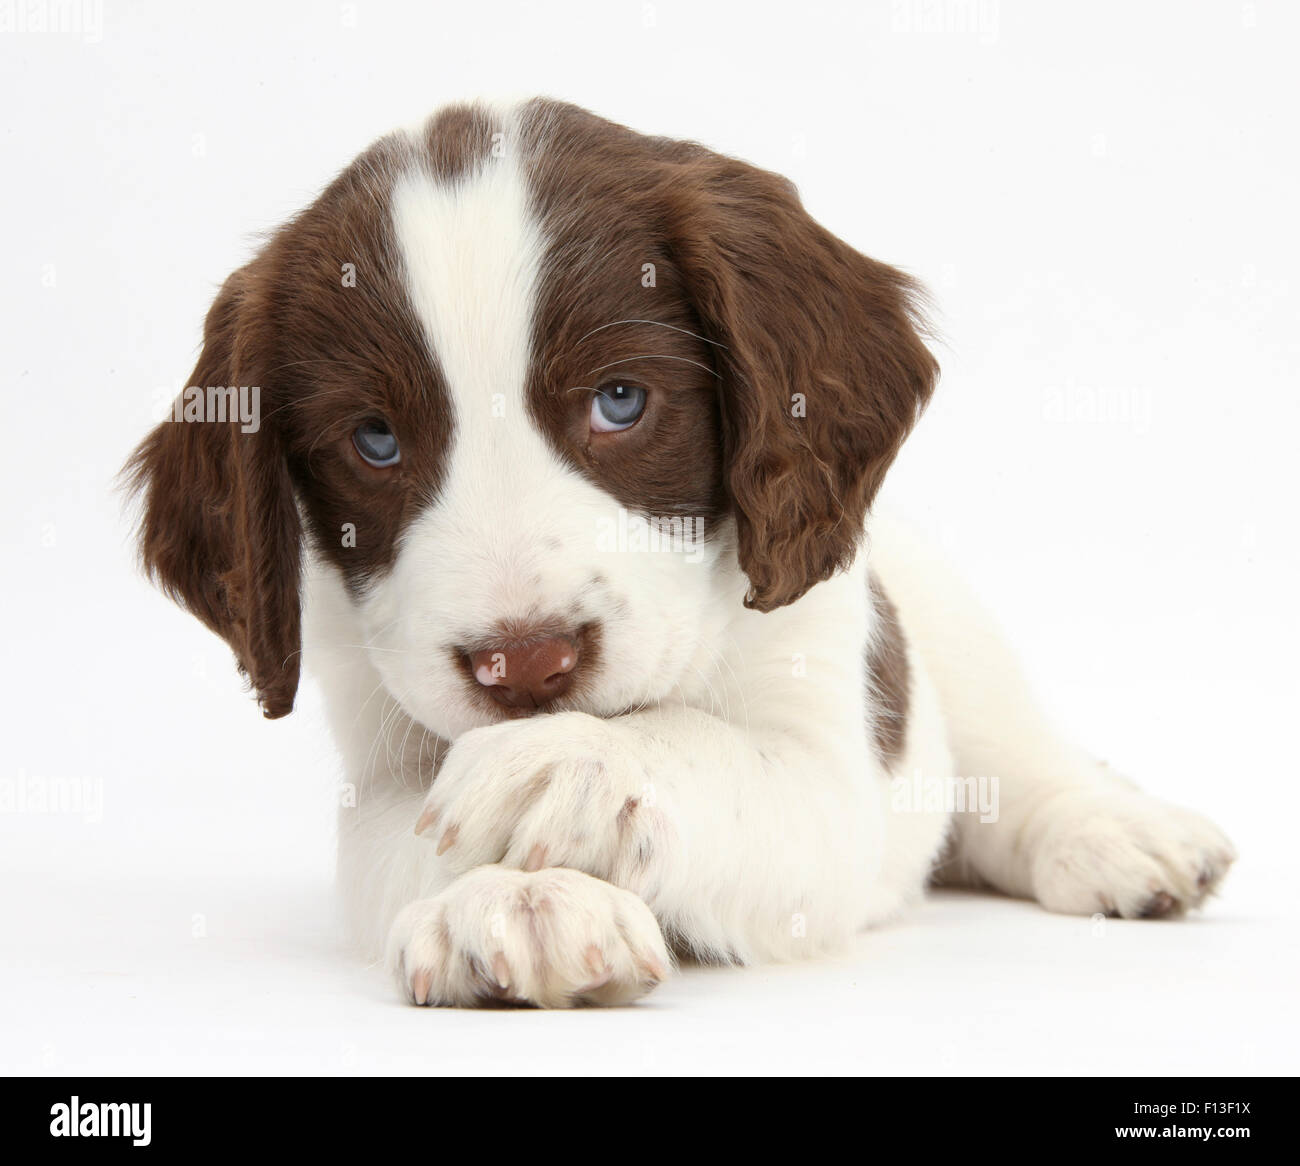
(526, 673)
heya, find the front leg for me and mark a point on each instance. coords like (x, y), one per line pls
(747, 845)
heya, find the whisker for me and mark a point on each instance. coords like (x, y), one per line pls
(316, 394)
(658, 356)
(568, 348)
(362, 647)
(657, 324)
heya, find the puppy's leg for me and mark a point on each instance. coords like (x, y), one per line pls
(551, 938)
(1069, 832)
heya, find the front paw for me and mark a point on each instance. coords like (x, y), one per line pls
(563, 789)
(553, 939)
(1127, 854)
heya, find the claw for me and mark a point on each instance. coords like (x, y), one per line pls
(421, 982)
(1160, 904)
(653, 968)
(602, 973)
(426, 819)
(536, 858)
(448, 840)
(501, 970)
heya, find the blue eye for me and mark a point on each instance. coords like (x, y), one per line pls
(376, 444)
(616, 407)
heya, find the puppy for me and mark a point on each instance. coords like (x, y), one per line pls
(559, 476)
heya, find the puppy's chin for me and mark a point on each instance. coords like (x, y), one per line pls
(487, 712)
(450, 718)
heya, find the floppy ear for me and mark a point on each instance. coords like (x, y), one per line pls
(823, 371)
(220, 531)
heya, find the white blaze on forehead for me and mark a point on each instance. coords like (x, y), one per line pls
(471, 251)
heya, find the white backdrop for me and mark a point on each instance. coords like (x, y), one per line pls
(1101, 197)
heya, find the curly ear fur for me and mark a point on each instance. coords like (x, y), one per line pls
(220, 531)
(824, 372)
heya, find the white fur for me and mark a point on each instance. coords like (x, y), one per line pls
(742, 800)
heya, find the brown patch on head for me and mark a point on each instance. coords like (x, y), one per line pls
(812, 373)
(320, 322)
(338, 355)
(888, 677)
(614, 308)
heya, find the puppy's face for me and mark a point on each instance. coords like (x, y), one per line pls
(548, 395)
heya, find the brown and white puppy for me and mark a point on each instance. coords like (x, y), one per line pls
(559, 419)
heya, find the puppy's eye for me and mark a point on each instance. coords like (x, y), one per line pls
(616, 407)
(376, 444)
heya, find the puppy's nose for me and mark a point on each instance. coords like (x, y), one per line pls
(526, 673)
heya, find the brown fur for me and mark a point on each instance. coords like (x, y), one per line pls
(784, 310)
(599, 190)
(220, 531)
(804, 318)
(889, 677)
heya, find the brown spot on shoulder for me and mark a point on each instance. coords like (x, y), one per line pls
(888, 676)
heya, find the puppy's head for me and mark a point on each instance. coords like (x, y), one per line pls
(548, 397)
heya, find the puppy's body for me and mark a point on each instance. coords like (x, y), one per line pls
(728, 722)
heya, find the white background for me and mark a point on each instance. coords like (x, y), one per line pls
(1102, 198)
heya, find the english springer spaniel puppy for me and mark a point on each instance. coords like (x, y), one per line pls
(559, 477)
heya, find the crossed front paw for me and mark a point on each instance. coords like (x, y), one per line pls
(551, 938)
(555, 790)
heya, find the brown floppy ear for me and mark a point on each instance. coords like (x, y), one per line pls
(220, 531)
(823, 370)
